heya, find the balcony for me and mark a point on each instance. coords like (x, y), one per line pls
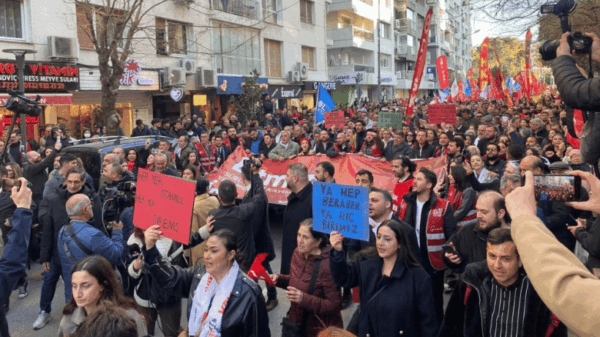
(245, 8)
(351, 37)
(406, 53)
(404, 80)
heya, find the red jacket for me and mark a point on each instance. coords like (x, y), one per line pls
(326, 299)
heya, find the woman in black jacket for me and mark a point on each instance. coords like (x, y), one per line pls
(222, 300)
(395, 292)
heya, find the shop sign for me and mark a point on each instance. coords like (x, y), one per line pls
(176, 94)
(329, 85)
(351, 77)
(234, 85)
(145, 81)
(131, 70)
(59, 99)
(285, 91)
(40, 76)
(7, 119)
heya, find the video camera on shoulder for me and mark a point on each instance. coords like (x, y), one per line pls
(19, 103)
(579, 43)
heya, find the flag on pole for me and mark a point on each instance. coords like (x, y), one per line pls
(485, 92)
(420, 63)
(528, 38)
(324, 104)
(444, 94)
(484, 69)
(454, 90)
(467, 90)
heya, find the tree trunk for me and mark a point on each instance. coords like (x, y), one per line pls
(110, 87)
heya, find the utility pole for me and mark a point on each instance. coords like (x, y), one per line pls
(379, 51)
(20, 56)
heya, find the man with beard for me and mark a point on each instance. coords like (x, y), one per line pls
(324, 145)
(340, 147)
(361, 134)
(490, 136)
(469, 243)
(372, 146)
(422, 149)
(455, 149)
(442, 150)
(397, 147)
(232, 141)
(267, 145)
(492, 162)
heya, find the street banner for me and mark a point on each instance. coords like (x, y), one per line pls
(420, 64)
(166, 201)
(389, 119)
(443, 75)
(483, 64)
(454, 91)
(528, 63)
(346, 166)
(334, 118)
(324, 104)
(341, 208)
(505, 90)
(442, 113)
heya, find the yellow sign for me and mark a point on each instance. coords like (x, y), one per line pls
(199, 100)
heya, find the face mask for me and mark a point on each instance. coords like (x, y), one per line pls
(87, 135)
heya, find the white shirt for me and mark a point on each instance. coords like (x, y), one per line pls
(375, 225)
(418, 223)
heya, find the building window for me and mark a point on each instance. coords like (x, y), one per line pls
(306, 11)
(236, 50)
(385, 61)
(11, 19)
(171, 37)
(114, 21)
(272, 11)
(308, 56)
(385, 30)
(273, 58)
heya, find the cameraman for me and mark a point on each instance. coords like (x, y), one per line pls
(113, 180)
(577, 91)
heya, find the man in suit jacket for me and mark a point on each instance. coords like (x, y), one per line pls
(221, 151)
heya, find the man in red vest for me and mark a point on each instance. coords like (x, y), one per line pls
(434, 223)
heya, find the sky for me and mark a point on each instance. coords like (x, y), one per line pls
(488, 30)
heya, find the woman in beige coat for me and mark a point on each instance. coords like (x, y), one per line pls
(203, 203)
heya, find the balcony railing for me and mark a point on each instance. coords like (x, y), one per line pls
(363, 34)
(368, 2)
(404, 25)
(367, 69)
(245, 8)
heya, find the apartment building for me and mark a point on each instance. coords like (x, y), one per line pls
(202, 48)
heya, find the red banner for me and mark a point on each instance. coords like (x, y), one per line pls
(528, 63)
(165, 201)
(420, 64)
(442, 70)
(346, 166)
(442, 113)
(483, 64)
(508, 99)
(334, 118)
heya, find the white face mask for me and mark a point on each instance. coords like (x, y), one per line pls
(87, 135)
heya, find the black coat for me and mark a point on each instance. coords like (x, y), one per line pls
(557, 219)
(324, 149)
(138, 133)
(405, 307)
(589, 238)
(267, 107)
(245, 314)
(299, 207)
(353, 246)
(52, 215)
(36, 173)
(470, 244)
(261, 230)
(428, 151)
(575, 90)
(465, 319)
(264, 149)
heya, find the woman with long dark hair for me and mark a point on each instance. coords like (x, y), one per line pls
(461, 196)
(396, 297)
(93, 279)
(320, 307)
(222, 300)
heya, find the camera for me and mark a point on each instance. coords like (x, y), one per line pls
(253, 160)
(578, 42)
(20, 104)
(121, 197)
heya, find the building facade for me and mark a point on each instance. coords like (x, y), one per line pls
(200, 48)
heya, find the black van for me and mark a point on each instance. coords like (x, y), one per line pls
(92, 153)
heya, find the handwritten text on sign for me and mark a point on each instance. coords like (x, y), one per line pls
(341, 208)
(334, 118)
(165, 201)
(442, 113)
(389, 119)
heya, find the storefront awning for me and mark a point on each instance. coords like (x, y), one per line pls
(46, 99)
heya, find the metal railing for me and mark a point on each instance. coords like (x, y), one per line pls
(363, 34)
(246, 8)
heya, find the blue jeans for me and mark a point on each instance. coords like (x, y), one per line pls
(49, 286)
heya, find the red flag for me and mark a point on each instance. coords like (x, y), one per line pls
(420, 64)
(442, 70)
(528, 63)
(503, 87)
(258, 271)
(483, 64)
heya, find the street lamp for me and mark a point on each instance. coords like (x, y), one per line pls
(20, 56)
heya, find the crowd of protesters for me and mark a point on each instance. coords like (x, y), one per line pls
(445, 231)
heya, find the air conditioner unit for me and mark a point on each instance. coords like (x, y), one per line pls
(208, 76)
(398, 24)
(205, 77)
(297, 66)
(303, 71)
(290, 77)
(63, 48)
(188, 65)
(296, 76)
(173, 77)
